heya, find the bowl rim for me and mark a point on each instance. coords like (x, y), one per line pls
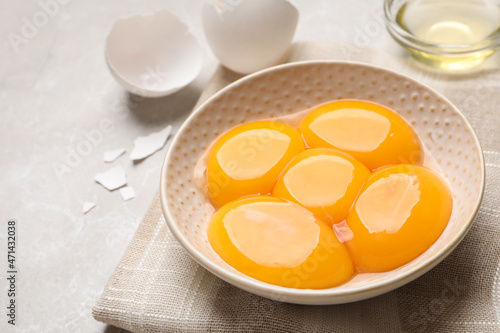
(314, 296)
(405, 38)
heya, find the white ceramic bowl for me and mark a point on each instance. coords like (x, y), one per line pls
(293, 87)
(152, 55)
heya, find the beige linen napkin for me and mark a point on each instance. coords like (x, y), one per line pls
(157, 287)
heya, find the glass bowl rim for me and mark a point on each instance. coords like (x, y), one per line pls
(412, 41)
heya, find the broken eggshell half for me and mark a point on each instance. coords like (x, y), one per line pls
(153, 55)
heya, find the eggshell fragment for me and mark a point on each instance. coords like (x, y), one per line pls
(112, 179)
(127, 193)
(249, 35)
(153, 55)
(111, 156)
(145, 146)
(87, 206)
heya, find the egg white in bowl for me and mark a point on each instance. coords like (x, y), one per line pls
(299, 86)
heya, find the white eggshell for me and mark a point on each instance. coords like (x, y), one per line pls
(249, 35)
(153, 55)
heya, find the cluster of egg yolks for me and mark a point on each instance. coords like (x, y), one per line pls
(248, 159)
(323, 180)
(279, 242)
(372, 134)
(328, 215)
(400, 212)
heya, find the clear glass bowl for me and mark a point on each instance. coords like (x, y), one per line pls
(447, 56)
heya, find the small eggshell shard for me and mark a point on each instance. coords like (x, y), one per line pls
(87, 206)
(249, 35)
(112, 155)
(112, 179)
(343, 232)
(153, 55)
(127, 193)
(145, 146)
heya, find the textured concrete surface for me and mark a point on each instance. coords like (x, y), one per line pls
(57, 97)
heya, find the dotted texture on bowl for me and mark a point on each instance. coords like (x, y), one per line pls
(291, 89)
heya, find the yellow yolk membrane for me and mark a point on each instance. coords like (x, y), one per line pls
(311, 218)
(325, 181)
(371, 129)
(253, 153)
(248, 159)
(371, 133)
(386, 204)
(273, 234)
(279, 242)
(400, 212)
(319, 180)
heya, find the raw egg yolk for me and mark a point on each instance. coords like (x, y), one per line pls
(374, 135)
(280, 243)
(400, 212)
(325, 181)
(248, 159)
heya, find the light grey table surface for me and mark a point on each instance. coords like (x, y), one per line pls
(55, 89)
